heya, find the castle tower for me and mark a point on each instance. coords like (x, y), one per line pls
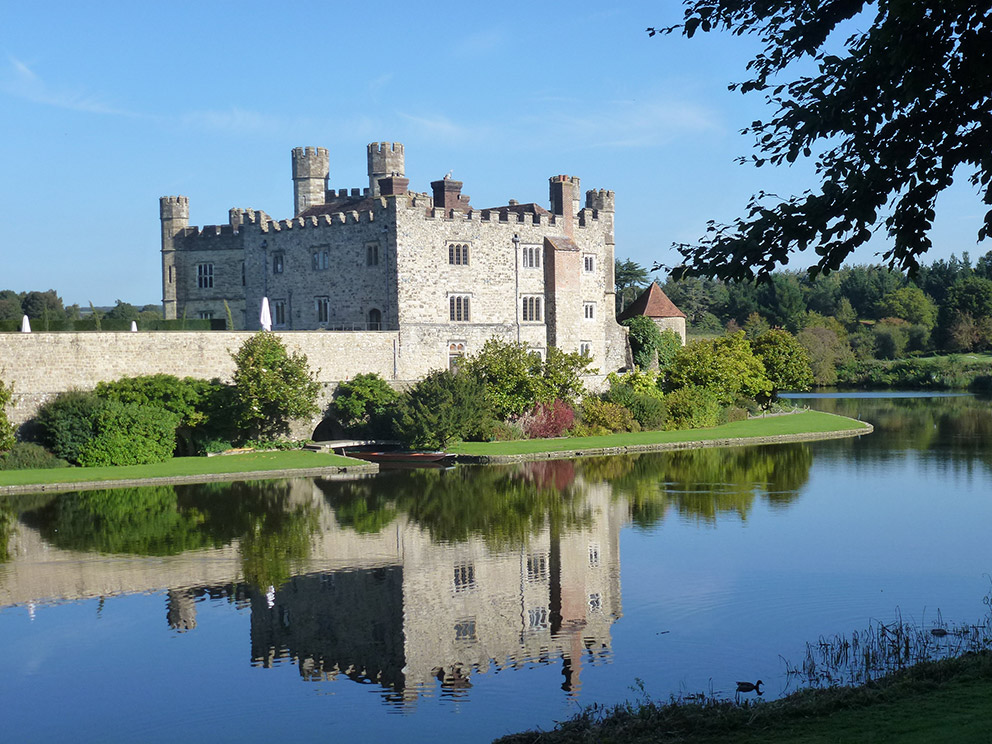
(565, 200)
(311, 166)
(385, 161)
(174, 213)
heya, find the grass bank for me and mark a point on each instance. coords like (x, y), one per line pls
(183, 468)
(941, 701)
(806, 424)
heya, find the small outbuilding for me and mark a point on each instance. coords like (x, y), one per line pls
(654, 304)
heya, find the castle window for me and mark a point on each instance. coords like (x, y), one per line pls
(458, 254)
(537, 618)
(465, 630)
(321, 260)
(375, 319)
(456, 352)
(531, 310)
(278, 263)
(594, 555)
(279, 312)
(595, 602)
(242, 273)
(589, 262)
(585, 349)
(323, 308)
(458, 310)
(171, 274)
(531, 256)
(537, 567)
(464, 577)
(205, 275)
(372, 254)
(205, 315)
(589, 310)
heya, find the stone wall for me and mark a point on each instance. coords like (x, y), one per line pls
(41, 365)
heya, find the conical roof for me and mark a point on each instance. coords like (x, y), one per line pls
(653, 303)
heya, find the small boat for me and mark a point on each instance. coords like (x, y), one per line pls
(403, 456)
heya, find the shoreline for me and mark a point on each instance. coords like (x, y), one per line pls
(573, 453)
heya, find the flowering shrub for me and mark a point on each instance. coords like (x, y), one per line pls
(547, 420)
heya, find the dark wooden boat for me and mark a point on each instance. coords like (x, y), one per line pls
(402, 457)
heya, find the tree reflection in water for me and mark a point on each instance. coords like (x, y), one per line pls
(703, 484)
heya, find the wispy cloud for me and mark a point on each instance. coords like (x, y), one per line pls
(441, 126)
(479, 44)
(20, 81)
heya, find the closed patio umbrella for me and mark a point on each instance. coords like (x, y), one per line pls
(266, 316)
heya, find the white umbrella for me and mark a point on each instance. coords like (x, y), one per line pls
(134, 326)
(266, 317)
(25, 325)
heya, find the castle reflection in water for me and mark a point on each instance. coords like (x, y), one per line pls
(398, 607)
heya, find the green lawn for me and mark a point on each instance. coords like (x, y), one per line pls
(772, 426)
(181, 466)
(946, 701)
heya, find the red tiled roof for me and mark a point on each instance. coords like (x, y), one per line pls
(653, 303)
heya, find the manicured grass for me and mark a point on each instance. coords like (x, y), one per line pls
(796, 423)
(945, 701)
(181, 466)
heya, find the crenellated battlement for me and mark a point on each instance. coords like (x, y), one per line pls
(601, 200)
(310, 162)
(174, 207)
(385, 159)
(348, 193)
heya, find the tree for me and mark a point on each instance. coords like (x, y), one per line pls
(10, 305)
(725, 366)
(272, 386)
(787, 362)
(43, 305)
(909, 304)
(122, 311)
(891, 115)
(628, 278)
(443, 406)
(363, 403)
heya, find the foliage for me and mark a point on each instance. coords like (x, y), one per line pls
(726, 366)
(6, 429)
(599, 413)
(827, 351)
(909, 304)
(363, 404)
(639, 393)
(547, 420)
(29, 456)
(67, 423)
(692, 407)
(637, 381)
(122, 311)
(891, 114)
(516, 379)
(972, 295)
(755, 325)
(891, 338)
(786, 360)
(645, 340)
(202, 408)
(629, 277)
(441, 407)
(272, 386)
(129, 434)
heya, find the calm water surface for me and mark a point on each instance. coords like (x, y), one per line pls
(469, 603)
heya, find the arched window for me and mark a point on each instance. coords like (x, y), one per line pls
(375, 320)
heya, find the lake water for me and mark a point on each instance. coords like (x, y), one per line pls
(468, 603)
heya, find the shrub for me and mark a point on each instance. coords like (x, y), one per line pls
(891, 338)
(786, 360)
(363, 405)
(610, 416)
(733, 413)
(589, 430)
(692, 408)
(6, 430)
(67, 423)
(129, 434)
(272, 386)
(645, 340)
(443, 406)
(548, 420)
(650, 411)
(726, 366)
(508, 431)
(30, 456)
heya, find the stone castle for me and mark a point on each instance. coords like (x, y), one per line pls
(438, 274)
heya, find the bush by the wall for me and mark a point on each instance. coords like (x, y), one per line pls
(650, 411)
(6, 430)
(610, 416)
(692, 408)
(442, 407)
(130, 434)
(29, 456)
(362, 405)
(67, 423)
(547, 420)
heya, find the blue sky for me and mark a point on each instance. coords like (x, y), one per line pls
(106, 106)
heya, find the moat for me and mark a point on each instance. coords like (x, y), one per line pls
(476, 601)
